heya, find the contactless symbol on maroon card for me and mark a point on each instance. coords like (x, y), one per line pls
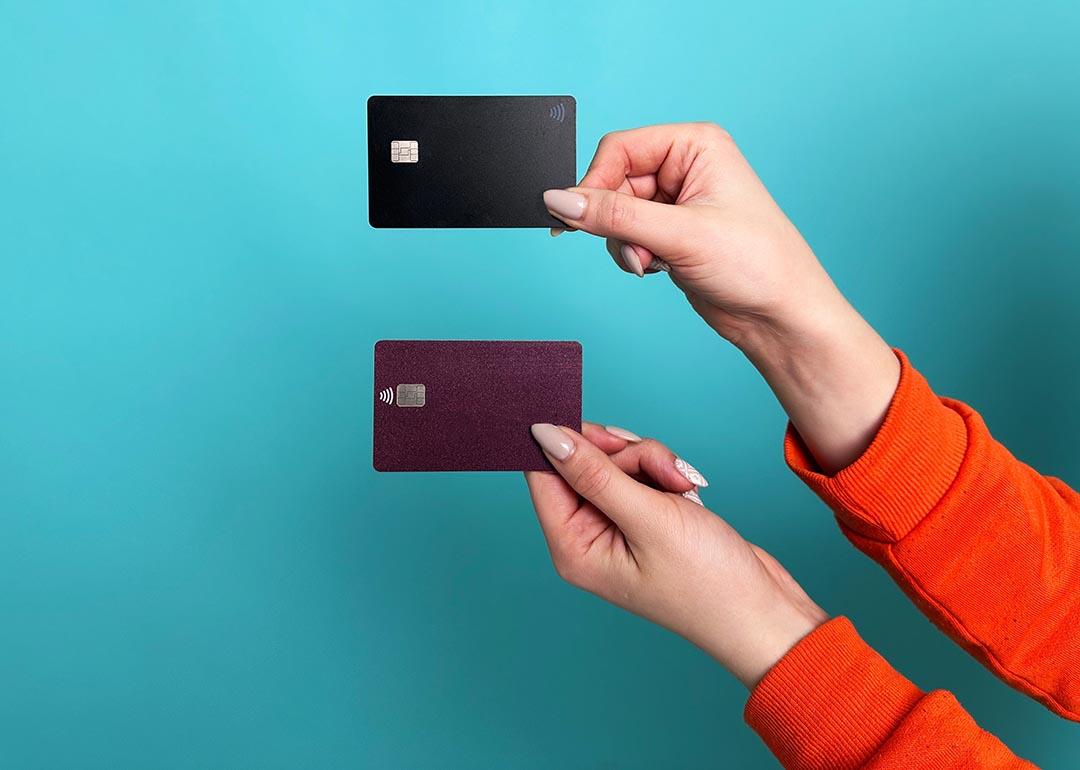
(408, 394)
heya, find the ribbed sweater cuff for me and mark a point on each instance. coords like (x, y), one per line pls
(830, 702)
(902, 474)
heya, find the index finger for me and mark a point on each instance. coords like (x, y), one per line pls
(595, 477)
(638, 152)
(641, 457)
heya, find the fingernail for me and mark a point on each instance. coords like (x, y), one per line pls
(630, 259)
(553, 440)
(556, 232)
(690, 473)
(622, 433)
(565, 204)
(693, 496)
(659, 264)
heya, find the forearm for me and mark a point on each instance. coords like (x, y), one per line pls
(832, 702)
(984, 545)
(832, 373)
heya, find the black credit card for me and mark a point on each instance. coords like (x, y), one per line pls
(468, 161)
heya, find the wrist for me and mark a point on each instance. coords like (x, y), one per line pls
(807, 307)
(832, 373)
(775, 634)
(749, 643)
(818, 318)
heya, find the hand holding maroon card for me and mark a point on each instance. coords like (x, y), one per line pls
(458, 405)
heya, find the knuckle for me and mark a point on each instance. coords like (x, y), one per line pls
(592, 478)
(651, 446)
(567, 570)
(668, 524)
(608, 139)
(714, 131)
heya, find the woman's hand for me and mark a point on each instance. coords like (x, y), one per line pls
(660, 554)
(681, 198)
(684, 194)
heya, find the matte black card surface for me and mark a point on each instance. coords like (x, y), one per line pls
(458, 405)
(468, 161)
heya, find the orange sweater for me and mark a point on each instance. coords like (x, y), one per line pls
(984, 545)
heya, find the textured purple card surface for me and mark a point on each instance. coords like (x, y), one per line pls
(460, 405)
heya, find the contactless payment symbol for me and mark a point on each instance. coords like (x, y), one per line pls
(409, 394)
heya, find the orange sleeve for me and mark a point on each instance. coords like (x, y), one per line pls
(984, 545)
(832, 702)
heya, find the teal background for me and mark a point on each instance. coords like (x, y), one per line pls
(198, 566)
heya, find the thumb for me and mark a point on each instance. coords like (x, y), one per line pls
(592, 474)
(663, 228)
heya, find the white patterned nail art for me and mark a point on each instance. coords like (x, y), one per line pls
(693, 497)
(659, 264)
(690, 473)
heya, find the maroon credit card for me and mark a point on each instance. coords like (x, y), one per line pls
(467, 406)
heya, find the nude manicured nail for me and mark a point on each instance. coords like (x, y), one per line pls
(690, 473)
(622, 433)
(556, 232)
(565, 204)
(693, 496)
(630, 259)
(553, 440)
